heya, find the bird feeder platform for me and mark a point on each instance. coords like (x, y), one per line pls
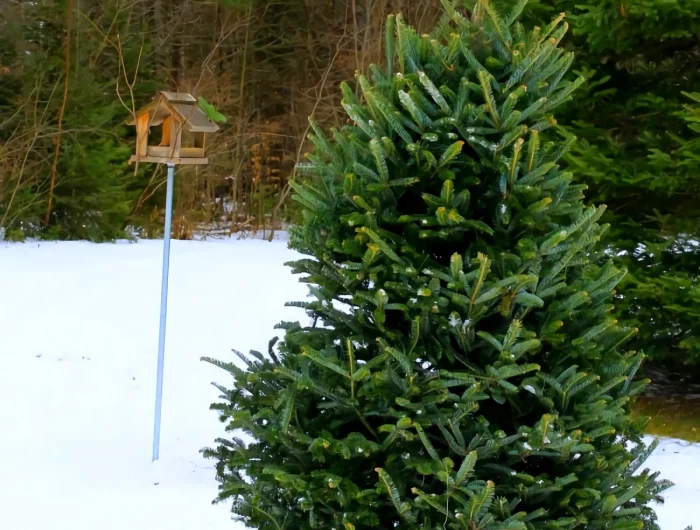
(184, 127)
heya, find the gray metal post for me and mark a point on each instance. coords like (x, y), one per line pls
(163, 309)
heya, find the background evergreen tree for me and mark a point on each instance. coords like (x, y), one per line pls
(462, 369)
(640, 155)
(94, 185)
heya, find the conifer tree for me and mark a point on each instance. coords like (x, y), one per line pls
(639, 153)
(462, 369)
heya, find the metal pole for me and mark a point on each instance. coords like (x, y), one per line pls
(163, 309)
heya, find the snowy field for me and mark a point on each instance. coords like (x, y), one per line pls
(78, 346)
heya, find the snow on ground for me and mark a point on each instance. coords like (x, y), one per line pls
(78, 350)
(78, 346)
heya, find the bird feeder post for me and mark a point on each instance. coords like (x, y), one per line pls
(163, 308)
(176, 113)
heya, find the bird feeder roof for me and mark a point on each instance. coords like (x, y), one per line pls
(182, 106)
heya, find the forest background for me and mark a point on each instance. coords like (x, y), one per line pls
(71, 72)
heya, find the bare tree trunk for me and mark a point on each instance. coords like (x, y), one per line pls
(239, 126)
(61, 110)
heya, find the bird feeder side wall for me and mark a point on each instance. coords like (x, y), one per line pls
(142, 134)
(166, 137)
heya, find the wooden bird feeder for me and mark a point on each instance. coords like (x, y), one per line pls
(184, 127)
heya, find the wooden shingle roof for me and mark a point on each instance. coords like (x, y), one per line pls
(182, 106)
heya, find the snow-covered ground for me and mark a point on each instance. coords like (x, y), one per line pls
(78, 344)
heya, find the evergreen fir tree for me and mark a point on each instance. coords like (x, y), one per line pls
(95, 187)
(462, 369)
(639, 156)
